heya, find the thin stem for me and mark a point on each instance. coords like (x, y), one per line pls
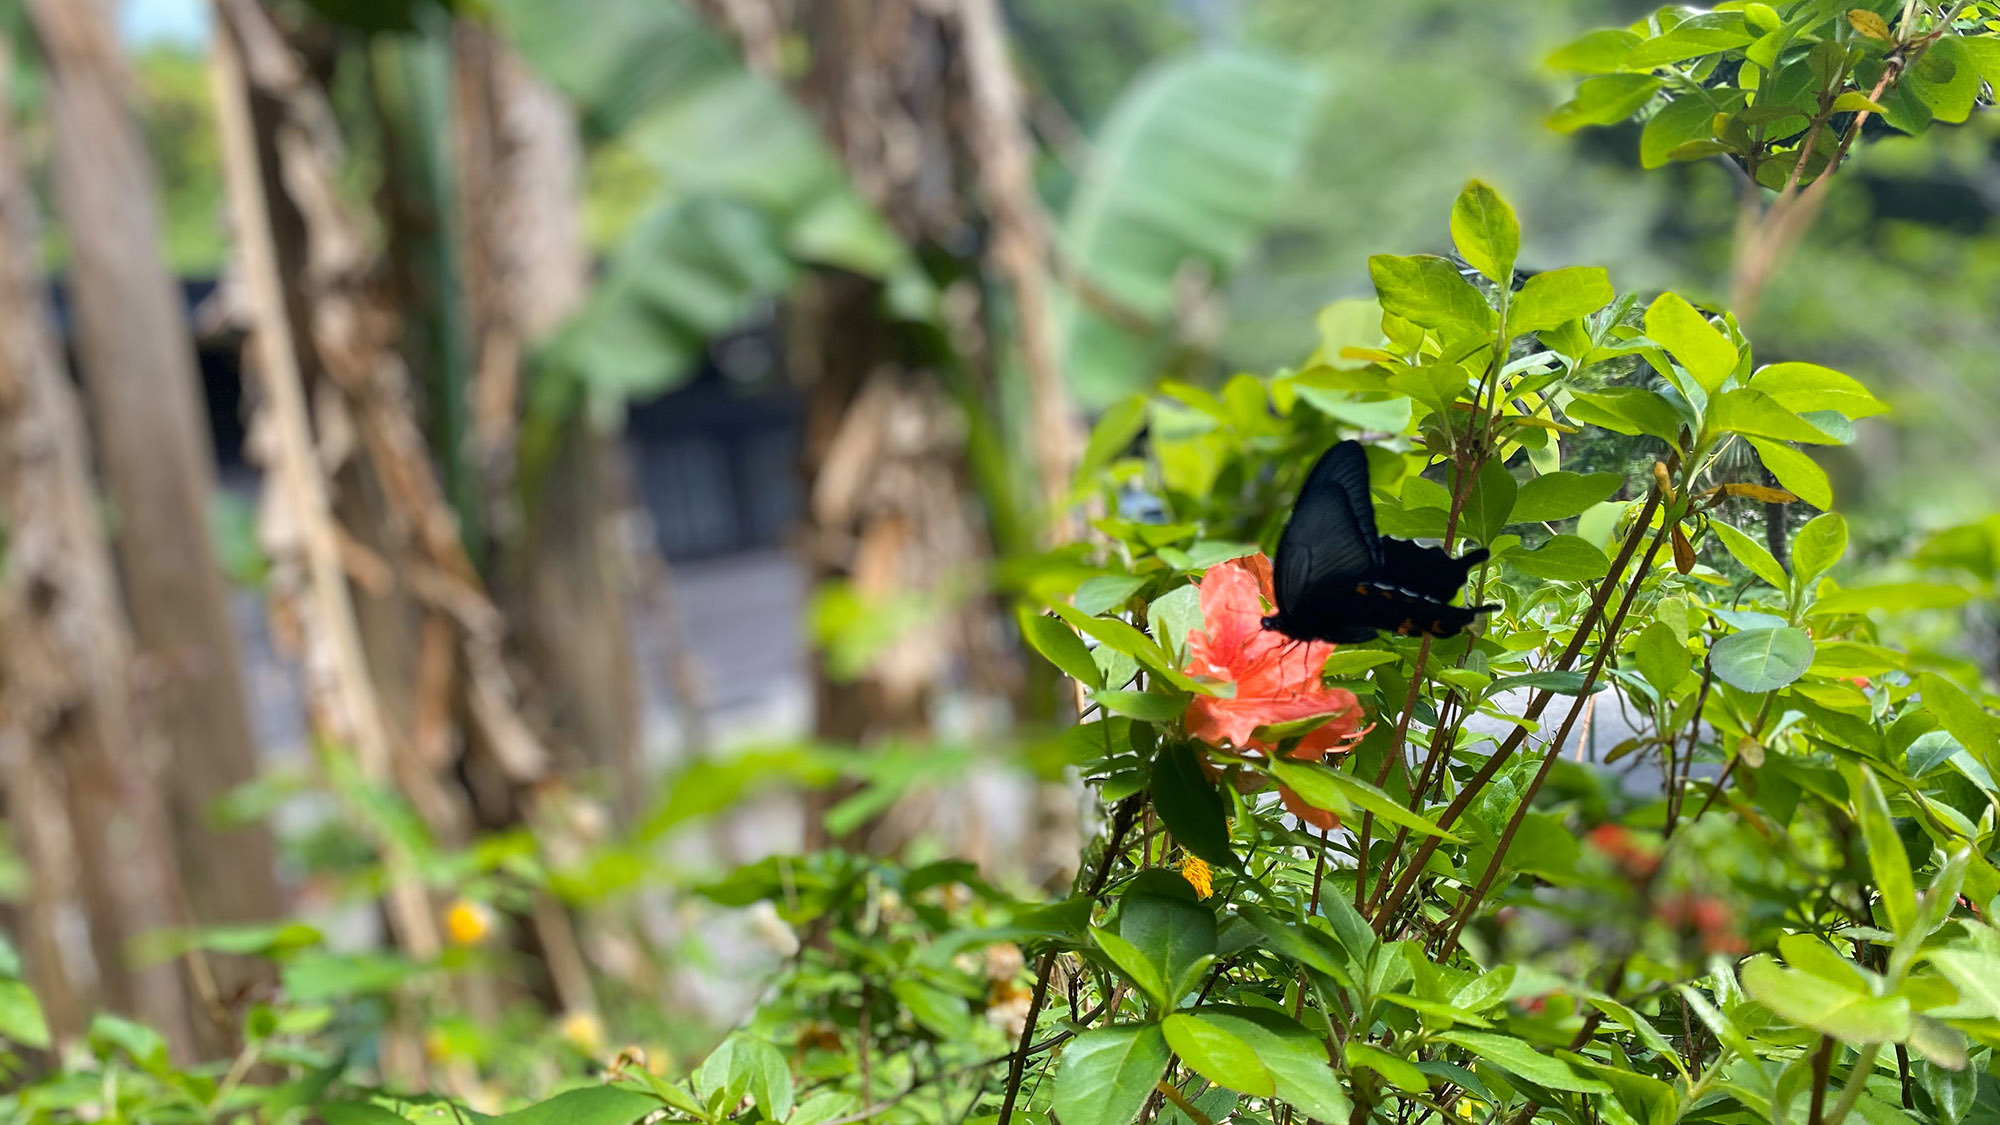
(1536, 705)
(1478, 895)
(1822, 1062)
(1382, 775)
(1181, 1103)
(1857, 1080)
(1121, 823)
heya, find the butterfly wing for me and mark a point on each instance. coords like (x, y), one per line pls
(1330, 542)
(1428, 571)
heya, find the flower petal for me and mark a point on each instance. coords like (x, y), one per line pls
(1321, 819)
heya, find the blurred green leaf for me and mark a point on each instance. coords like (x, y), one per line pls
(1886, 857)
(1060, 646)
(1564, 558)
(1845, 1013)
(1189, 165)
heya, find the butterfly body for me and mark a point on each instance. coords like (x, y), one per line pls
(1337, 579)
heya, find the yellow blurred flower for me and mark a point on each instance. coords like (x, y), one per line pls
(468, 922)
(1198, 875)
(584, 1031)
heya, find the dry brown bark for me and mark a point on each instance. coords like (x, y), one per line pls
(419, 642)
(564, 573)
(79, 756)
(919, 103)
(137, 358)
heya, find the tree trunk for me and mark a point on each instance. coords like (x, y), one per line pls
(77, 760)
(562, 568)
(917, 102)
(137, 358)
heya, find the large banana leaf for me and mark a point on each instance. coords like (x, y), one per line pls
(750, 192)
(1191, 164)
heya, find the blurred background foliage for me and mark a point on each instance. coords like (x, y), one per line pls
(1412, 99)
(1215, 172)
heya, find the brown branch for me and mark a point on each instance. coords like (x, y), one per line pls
(1412, 871)
(1604, 651)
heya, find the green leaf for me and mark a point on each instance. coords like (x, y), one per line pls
(1295, 1057)
(367, 1113)
(1189, 166)
(603, 1105)
(1519, 1058)
(1753, 555)
(1701, 35)
(21, 1016)
(1490, 502)
(1554, 298)
(1400, 1072)
(1564, 558)
(1627, 410)
(1485, 231)
(1060, 646)
(1825, 1006)
(1854, 101)
(1886, 857)
(1604, 101)
(1952, 97)
(1428, 290)
(1327, 788)
(1287, 940)
(1107, 1074)
(1756, 414)
(1189, 804)
(1217, 1054)
(743, 1064)
(1699, 346)
(1133, 962)
(1662, 658)
(1762, 660)
(1556, 683)
(1177, 613)
(1894, 597)
(1976, 973)
(1121, 424)
(1685, 119)
(1819, 545)
(944, 1014)
(1354, 661)
(1599, 52)
(1560, 495)
(1160, 916)
(1105, 592)
(1962, 718)
(1150, 706)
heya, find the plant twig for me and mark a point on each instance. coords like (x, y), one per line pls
(1121, 823)
(1413, 870)
(1604, 650)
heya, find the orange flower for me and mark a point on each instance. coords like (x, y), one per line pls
(1277, 679)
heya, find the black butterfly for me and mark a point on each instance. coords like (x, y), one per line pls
(1338, 580)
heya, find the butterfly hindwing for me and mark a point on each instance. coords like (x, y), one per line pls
(1331, 538)
(1338, 580)
(1427, 570)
